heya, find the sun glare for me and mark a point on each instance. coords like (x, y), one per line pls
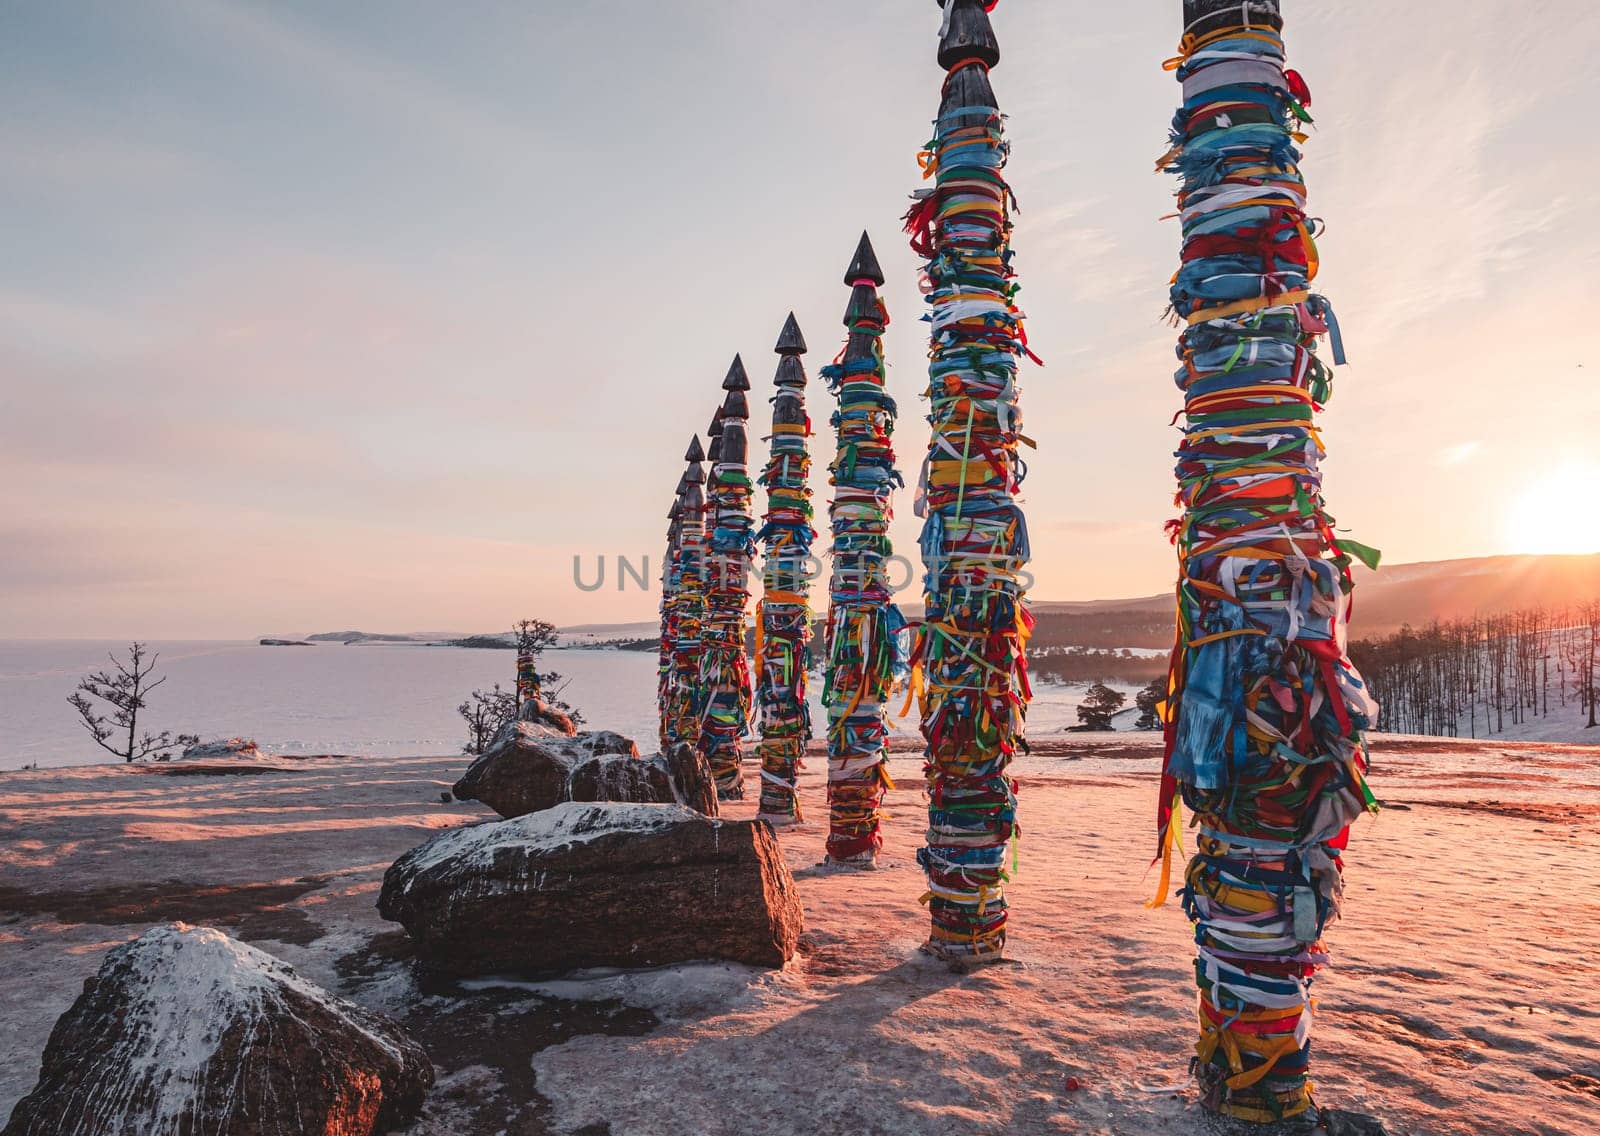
(1558, 512)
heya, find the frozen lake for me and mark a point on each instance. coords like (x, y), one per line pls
(329, 698)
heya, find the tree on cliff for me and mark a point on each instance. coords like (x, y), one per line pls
(487, 712)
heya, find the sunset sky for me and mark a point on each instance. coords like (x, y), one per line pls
(322, 316)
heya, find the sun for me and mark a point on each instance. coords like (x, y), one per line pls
(1557, 512)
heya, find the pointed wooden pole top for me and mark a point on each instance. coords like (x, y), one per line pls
(864, 265)
(790, 340)
(968, 36)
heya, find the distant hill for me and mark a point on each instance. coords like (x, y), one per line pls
(1386, 600)
(598, 634)
(1453, 589)
(360, 637)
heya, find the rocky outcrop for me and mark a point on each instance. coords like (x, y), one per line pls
(185, 1030)
(587, 885)
(528, 769)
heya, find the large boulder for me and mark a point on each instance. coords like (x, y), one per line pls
(596, 884)
(528, 769)
(185, 1030)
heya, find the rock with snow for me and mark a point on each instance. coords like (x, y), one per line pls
(185, 1030)
(527, 769)
(680, 776)
(223, 748)
(596, 885)
(537, 712)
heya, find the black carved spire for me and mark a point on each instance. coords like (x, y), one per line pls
(788, 405)
(790, 341)
(864, 266)
(1202, 17)
(968, 34)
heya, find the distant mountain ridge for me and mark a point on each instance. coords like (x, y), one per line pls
(1386, 600)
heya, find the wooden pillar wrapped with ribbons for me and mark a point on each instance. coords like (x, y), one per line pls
(666, 681)
(783, 623)
(686, 591)
(863, 646)
(527, 681)
(1266, 716)
(970, 657)
(725, 685)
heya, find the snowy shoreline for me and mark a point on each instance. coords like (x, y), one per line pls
(1458, 1001)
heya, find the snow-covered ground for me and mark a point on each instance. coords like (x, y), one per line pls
(1460, 1000)
(1565, 725)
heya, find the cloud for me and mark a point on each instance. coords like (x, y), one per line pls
(400, 94)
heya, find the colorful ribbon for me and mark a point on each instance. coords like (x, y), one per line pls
(1266, 716)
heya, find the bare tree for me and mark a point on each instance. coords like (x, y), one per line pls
(1583, 652)
(535, 636)
(486, 713)
(126, 690)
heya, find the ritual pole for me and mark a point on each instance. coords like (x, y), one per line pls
(863, 651)
(724, 667)
(783, 620)
(689, 601)
(970, 656)
(665, 679)
(1266, 717)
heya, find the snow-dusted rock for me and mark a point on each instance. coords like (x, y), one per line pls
(527, 769)
(186, 1031)
(596, 884)
(539, 713)
(222, 748)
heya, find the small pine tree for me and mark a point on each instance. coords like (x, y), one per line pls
(1100, 705)
(1147, 700)
(126, 691)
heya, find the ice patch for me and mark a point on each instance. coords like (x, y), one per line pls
(672, 993)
